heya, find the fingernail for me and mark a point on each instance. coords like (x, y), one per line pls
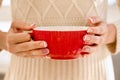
(86, 38)
(33, 25)
(86, 49)
(90, 30)
(44, 44)
(46, 51)
(92, 20)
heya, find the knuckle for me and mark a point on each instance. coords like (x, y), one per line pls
(35, 52)
(31, 45)
(103, 30)
(27, 36)
(99, 30)
(92, 38)
(28, 46)
(9, 39)
(102, 41)
(98, 40)
(36, 44)
(25, 46)
(24, 54)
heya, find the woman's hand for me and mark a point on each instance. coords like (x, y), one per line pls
(20, 43)
(99, 33)
(3, 40)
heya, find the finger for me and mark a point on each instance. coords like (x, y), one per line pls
(96, 30)
(89, 49)
(34, 53)
(91, 39)
(22, 25)
(31, 56)
(94, 20)
(86, 55)
(88, 43)
(18, 38)
(28, 46)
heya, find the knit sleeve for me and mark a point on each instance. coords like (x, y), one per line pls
(115, 47)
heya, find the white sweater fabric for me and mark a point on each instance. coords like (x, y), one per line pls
(96, 66)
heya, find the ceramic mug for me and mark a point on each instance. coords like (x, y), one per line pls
(64, 42)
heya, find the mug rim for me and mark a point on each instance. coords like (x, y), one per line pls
(60, 28)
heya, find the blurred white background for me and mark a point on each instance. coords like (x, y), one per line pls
(5, 20)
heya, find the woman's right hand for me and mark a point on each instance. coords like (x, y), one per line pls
(20, 43)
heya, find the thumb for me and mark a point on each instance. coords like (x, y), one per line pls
(18, 25)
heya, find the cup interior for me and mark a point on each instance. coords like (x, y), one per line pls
(61, 28)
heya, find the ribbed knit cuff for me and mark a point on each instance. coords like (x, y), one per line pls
(115, 47)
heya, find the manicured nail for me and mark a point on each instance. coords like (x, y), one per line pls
(89, 30)
(46, 51)
(92, 20)
(86, 38)
(44, 44)
(33, 25)
(86, 49)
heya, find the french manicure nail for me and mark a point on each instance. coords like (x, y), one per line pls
(33, 25)
(87, 49)
(92, 20)
(90, 30)
(86, 38)
(44, 44)
(46, 51)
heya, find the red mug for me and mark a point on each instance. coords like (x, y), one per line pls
(64, 42)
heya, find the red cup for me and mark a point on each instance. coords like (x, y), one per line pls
(64, 42)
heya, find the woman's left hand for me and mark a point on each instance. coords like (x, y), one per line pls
(99, 33)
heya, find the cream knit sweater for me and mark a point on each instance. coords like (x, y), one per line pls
(97, 66)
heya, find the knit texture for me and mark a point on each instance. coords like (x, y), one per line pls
(96, 66)
(57, 12)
